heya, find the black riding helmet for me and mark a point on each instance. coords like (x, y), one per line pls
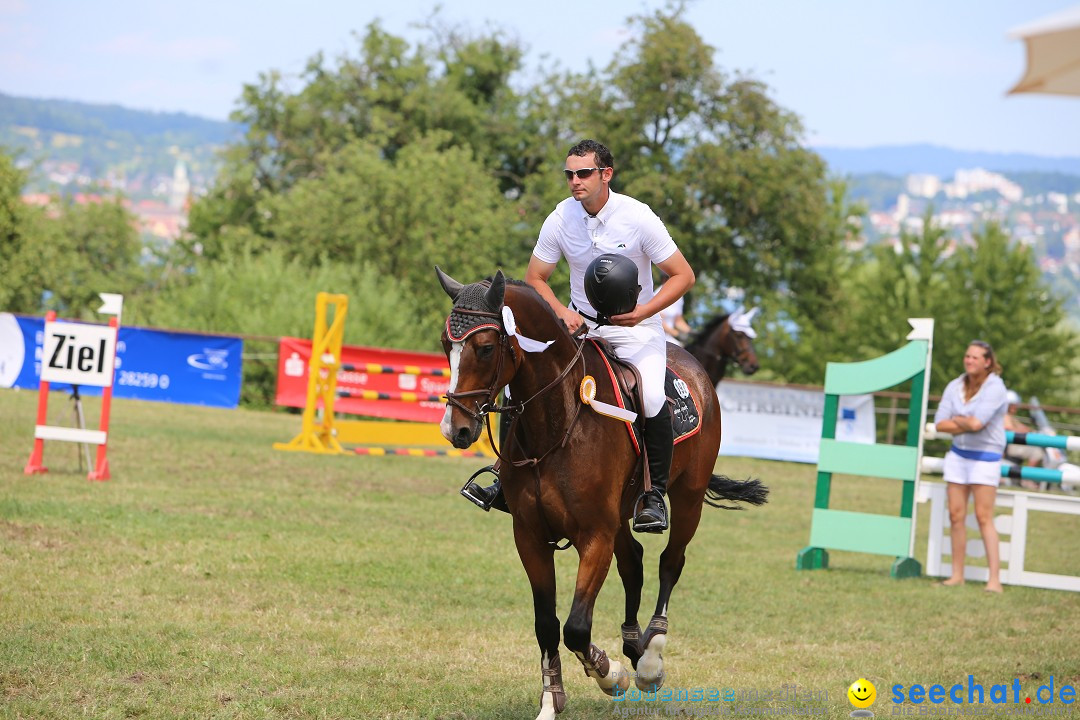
(611, 284)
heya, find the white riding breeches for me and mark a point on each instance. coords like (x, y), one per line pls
(645, 347)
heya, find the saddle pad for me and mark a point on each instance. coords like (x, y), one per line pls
(685, 417)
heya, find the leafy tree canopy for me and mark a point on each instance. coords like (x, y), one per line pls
(411, 156)
(60, 257)
(990, 290)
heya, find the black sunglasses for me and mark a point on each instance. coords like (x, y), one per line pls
(582, 173)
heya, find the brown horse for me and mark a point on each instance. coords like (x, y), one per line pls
(718, 344)
(571, 473)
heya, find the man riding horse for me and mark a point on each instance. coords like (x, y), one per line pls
(606, 237)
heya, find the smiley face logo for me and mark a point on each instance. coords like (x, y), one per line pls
(862, 693)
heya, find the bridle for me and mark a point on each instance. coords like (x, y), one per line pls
(743, 348)
(481, 411)
(491, 392)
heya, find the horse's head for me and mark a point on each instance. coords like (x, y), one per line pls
(482, 355)
(739, 341)
(724, 339)
(739, 344)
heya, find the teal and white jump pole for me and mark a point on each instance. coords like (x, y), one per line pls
(936, 465)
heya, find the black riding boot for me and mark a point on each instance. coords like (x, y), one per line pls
(485, 497)
(492, 495)
(659, 441)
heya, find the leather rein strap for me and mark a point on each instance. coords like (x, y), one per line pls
(516, 410)
(483, 411)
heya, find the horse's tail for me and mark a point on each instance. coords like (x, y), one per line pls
(721, 487)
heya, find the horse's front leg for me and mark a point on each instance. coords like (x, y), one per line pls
(628, 554)
(685, 515)
(539, 562)
(593, 564)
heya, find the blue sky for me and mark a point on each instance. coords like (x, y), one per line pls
(859, 72)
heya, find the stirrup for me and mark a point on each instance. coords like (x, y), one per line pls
(651, 526)
(484, 505)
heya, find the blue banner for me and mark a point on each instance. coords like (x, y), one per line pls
(161, 365)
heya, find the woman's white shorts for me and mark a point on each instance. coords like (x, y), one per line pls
(971, 472)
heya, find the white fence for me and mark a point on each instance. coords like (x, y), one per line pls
(1014, 526)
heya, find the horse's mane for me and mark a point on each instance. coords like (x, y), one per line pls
(529, 289)
(701, 335)
(509, 280)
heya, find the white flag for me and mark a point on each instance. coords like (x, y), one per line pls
(112, 304)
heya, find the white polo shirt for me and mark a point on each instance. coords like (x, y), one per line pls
(624, 226)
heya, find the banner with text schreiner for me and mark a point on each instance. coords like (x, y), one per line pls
(774, 422)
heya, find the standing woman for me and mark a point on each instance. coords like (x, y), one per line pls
(972, 410)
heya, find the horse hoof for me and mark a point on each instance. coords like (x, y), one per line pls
(650, 687)
(551, 704)
(617, 681)
(650, 668)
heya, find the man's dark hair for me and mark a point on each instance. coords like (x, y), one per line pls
(601, 153)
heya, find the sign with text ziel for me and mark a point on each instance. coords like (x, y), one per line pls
(78, 354)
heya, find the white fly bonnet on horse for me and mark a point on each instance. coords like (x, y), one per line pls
(740, 321)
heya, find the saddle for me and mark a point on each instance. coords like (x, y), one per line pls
(626, 381)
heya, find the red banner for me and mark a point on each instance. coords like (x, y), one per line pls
(408, 380)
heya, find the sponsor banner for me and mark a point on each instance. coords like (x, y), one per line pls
(294, 356)
(160, 365)
(780, 423)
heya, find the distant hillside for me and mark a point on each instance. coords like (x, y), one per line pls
(66, 144)
(112, 121)
(943, 162)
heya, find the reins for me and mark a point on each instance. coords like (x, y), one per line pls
(483, 411)
(516, 410)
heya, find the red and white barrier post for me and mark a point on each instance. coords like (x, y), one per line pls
(78, 354)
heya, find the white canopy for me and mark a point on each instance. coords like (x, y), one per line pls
(1053, 54)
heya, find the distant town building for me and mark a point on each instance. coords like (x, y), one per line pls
(903, 207)
(181, 186)
(1060, 201)
(924, 186)
(970, 182)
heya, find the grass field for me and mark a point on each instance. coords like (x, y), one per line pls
(214, 577)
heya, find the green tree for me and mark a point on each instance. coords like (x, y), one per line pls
(1003, 299)
(432, 204)
(390, 96)
(95, 248)
(401, 158)
(989, 290)
(60, 259)
(716, 158)
(22, 230)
